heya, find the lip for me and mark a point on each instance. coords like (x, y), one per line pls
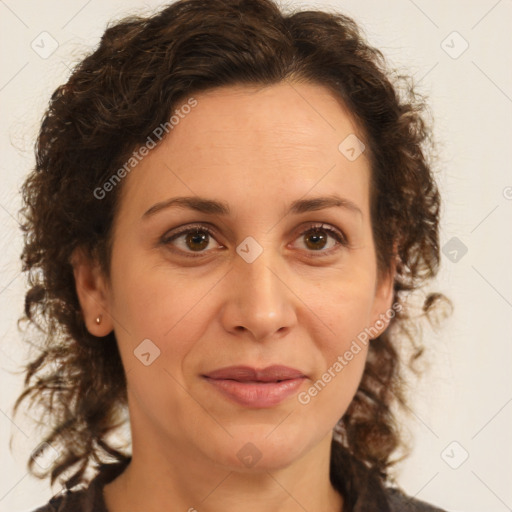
(256, 388)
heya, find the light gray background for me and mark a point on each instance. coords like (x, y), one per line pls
(466, 394)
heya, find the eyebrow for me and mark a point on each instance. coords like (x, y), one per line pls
(213, 207)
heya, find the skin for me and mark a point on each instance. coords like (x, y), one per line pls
(301, 303)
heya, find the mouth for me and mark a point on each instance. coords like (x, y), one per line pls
(254, 388)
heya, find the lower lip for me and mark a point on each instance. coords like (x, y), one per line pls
(257, 394)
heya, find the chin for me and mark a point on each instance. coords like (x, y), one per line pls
(258, 452)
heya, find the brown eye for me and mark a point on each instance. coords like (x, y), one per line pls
(316, 239)
(191, 240)
(197, 240)
(322, 239)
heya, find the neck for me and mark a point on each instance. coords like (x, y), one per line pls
(171, 474)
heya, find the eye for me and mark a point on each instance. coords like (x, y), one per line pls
(316, 239)
(198, 239)
(191, 239)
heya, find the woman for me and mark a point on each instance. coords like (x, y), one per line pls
(229, 211)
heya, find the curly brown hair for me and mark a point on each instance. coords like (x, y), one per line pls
(112, 102)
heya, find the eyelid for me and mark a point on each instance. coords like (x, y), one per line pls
(326, 227)
(185, 229)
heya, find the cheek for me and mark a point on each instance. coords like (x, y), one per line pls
(334, 387)
(155, 302)
(162, 307)
(344, 306)
(163, 315)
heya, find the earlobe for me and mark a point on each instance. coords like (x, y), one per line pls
(92, 294)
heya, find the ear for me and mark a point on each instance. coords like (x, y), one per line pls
(382, 311)
(92, 290)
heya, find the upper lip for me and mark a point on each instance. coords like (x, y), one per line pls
(246, 373)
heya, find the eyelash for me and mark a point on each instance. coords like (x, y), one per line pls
(334, 233)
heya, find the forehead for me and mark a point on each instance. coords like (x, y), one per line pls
(301, 114)
(285, 137)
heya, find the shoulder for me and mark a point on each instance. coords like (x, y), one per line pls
(400, 502)
(76, 501)
(90, 498)
(364, 489)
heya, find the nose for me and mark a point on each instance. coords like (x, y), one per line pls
(259, 303)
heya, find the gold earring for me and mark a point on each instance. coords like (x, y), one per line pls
(98, 319)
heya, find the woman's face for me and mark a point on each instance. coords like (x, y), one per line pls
(255, 285)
